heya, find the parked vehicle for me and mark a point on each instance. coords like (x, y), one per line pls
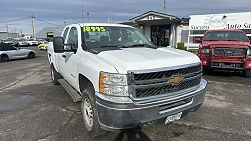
(32, 43)
(122, 80)
(9, 41)
(8, 52)
(42, 41)
(43, 46)
(226, 49)
(21, 43)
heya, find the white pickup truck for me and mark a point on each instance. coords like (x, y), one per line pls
(121, 79)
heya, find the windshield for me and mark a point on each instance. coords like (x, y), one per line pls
(226, 36)
(110, 36)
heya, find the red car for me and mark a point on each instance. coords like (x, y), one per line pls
(226, 49)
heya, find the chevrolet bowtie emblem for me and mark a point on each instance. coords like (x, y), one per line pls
(176, 80)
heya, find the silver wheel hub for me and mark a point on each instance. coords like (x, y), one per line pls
(88, 113)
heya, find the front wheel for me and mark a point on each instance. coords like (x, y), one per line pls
(247, 73)
(4, 58)
(54, 76)
(90, 113)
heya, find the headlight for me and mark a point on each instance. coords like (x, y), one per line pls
(249, 52)
(113, 84)
(205, 50)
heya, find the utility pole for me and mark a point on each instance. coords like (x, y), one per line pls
(7, 26)
(33, 26)
(82, 13)
(164, 6)
(7, 29)
(88, 17)
(21, 31)
(110, 20)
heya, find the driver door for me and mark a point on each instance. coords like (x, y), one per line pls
(70, 59)
(14, 53)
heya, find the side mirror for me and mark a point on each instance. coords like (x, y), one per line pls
(198, 40)
(58, 44)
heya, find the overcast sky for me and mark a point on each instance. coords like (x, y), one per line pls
(50, 12)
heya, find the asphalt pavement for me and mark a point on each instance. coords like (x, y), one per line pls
(33, 109)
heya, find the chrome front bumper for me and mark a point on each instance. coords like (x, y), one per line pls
(123, 113)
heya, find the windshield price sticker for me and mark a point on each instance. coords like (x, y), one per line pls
(94, 29)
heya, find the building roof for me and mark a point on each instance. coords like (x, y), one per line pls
(43, 32)
(155, 13)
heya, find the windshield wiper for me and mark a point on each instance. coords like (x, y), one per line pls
(118, 46)
(135, 45)
(142, 45)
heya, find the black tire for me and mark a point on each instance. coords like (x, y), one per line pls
(31, 55)
(247, 73)
(93, 129)
(55, 76)
(4, 58)
(207, 70)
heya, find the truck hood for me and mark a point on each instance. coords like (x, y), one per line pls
(226, 43)
(129, 59)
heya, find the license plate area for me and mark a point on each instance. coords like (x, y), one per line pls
(227, 65)
(173, 117)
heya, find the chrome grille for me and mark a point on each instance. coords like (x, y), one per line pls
(166, 74)
(165, 89)
(230, 52)
(157, 83)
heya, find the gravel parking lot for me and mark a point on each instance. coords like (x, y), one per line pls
(32, 108)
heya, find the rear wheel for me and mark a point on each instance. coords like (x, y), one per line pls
(90, 113)
(4, 58)
(54, 76)
(31, 55)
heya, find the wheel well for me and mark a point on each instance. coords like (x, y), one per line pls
(85, 83)
(31, 52)
(4, 55)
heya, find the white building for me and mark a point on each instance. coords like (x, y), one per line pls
(7, 35)
(160, 28)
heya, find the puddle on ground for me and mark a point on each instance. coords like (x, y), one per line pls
(16, 103)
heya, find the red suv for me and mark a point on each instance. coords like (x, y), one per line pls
(226, 49)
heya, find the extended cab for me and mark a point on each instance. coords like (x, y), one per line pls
(226, 49)
(122, 80)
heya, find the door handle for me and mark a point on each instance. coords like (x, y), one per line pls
(63, 56)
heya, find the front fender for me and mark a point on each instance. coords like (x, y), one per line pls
(90, 65)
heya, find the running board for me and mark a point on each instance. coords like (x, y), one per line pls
(70, 90)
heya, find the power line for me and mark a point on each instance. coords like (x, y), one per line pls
(49, 23)
(33, 26)
(20, 19)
